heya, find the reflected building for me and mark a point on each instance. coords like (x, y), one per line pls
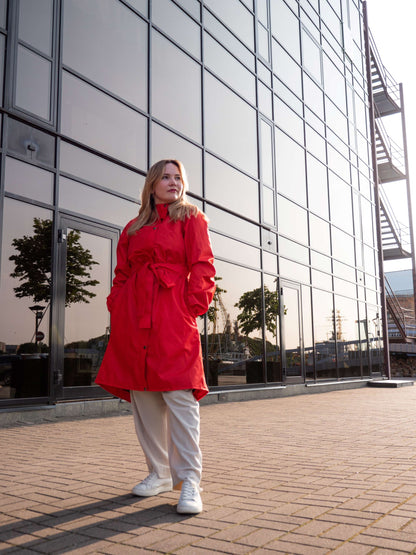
(267, 104)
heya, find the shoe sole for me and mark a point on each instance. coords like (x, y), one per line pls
(151, 493)
(184, 511)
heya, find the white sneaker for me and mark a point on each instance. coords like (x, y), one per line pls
(190, 500)
(152, 485)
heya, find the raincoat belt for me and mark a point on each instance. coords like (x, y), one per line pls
(148, 275)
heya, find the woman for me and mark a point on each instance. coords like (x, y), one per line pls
(164, 279)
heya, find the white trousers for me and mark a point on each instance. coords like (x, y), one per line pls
(167, 426)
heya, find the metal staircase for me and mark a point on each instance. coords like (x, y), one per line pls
(401, 321)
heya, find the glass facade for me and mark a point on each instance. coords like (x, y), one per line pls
(266, 104)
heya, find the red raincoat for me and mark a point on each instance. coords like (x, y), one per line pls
(163, 281)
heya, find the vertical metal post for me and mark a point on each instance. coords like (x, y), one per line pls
(409, 196)
(376, 196)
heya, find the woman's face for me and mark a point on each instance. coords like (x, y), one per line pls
(170, 186)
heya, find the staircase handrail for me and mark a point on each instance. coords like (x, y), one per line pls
(395, 309)
(401, 231)
(388, 80)
(394, 151)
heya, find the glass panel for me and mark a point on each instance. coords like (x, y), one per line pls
(311, 56)
(30, 142)
(324, 335)
(28, 181)
(334, 84)
(230, 249)
(288, 212)
(307, 332)
(96, 119)
(269, 262)
(235, 344)
(288, 120)
(230, 126)
(266, 147)
(24, 300)
(315, 143)
(2, 50)
(88, 166)
(175, 73)
(342, 246)
(192, 6)
(286, 68)
(229, 69)
(35, 24)
(293, 270)
(271, 303)
(268, 206)
(87, 321)
(321, 280)
(313, 96)
(140, 5)
(3, 13)
(175, 23)
(231, 225)
(319, 230)
(285, 27)
(375, 338)
(95, 203)
(33, 83)
(262, 12)
(367, 221)
(265, 100)
(236, 17)
(228, 40)
(168, 145)
(293, 250)
(317, 186)
(290, 168)
(363, 329)
(340, 202)
(263, 43)
(107, 55)
(291, 333)
(241, 194)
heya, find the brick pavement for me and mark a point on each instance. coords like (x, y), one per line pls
(313, 474)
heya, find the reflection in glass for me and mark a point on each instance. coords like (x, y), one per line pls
(230, 188)
(96, 119)
(24, 300)
(168, 145)
(95, 204)
(340, 203)
(230, 125)
(87, 321)
(319, 238)
(324, 335)
(272, 335)
(35, 24)
(28, 181)
(348, 338)
(307, 332)
(175, 73)
(375, 339)
(363, 328)
(342, 246)
(293, 270)
(33, 83)
(96, 169)
(291, 330)
(108, 54)
(235, 344)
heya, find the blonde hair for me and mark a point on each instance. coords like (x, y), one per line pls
(178, 210)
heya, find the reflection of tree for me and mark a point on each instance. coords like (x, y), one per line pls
(251, 306)
(33, 266)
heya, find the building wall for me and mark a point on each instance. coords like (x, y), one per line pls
(266, 105)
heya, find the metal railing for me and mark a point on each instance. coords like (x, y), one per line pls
(400, 231)
(403, 321)
(386, 80)
(391, 151)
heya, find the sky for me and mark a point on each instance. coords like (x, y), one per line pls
(392, 26)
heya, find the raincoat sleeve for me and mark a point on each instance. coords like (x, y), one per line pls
(122, 270)
(201, 284)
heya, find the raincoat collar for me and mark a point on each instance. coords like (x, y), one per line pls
(162, 210)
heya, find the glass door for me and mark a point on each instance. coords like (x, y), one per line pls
(86, 255)
(291, 324)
